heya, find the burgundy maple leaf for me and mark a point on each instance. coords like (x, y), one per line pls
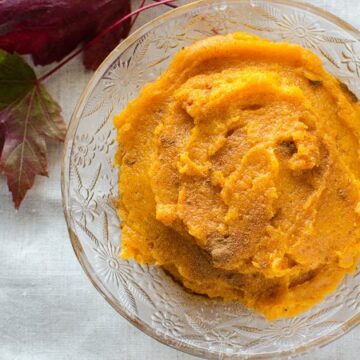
(51, 29)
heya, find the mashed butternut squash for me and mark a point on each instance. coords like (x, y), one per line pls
(240, 174)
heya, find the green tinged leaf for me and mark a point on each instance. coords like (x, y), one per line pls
(28, 115)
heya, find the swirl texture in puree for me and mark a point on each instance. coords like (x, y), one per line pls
(240, 174)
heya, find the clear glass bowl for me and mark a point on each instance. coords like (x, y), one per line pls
(145, 295)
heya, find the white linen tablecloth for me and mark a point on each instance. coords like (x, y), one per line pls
(48, 308)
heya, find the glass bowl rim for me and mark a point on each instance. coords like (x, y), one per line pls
(72, 127)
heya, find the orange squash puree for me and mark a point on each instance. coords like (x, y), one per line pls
(240, 174)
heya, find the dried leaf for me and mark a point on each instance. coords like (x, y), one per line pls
(28, 115)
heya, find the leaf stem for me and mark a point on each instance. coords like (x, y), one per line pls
(142, 3)
(101, 34)
(170, 5)
(60, 65)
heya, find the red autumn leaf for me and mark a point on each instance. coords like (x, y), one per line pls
(51, 29)
(28, 115)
